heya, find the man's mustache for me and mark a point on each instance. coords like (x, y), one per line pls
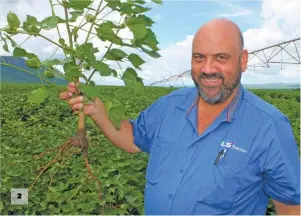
(211, 76)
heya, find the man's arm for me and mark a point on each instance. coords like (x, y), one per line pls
(284, 209)
(122, 138)
(281, 168)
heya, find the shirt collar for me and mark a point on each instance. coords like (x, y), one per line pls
(190, 102)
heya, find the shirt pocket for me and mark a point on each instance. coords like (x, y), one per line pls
(159, 159)
(222, 193)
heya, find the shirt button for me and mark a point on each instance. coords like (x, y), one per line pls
(169, 196)
(181, 171)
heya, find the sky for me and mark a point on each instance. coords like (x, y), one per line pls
(262, 22)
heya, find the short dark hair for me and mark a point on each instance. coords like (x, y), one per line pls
(241, 39)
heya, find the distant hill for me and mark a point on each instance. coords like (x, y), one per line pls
(13, 75)
(273, 86)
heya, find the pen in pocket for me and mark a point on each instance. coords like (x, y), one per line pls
(221, 154)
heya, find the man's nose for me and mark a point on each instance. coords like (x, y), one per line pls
(208, 66)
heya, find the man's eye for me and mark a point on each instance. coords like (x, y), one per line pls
(221, 58)
(198, 58)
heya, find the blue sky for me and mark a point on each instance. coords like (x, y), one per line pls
(176, 19)
(262, 22)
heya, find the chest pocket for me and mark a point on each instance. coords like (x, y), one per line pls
(159, 159)
(231, 180)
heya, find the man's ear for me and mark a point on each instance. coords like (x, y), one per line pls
(244, 60)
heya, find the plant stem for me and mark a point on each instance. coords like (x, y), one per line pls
(80, 26)
(51, 41)
(68, 28)
(84, 30)
(100, 60)
(93, 23)
(81, 120)
(53, 14)
(24, 40)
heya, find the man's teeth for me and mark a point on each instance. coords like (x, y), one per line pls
(211, 79)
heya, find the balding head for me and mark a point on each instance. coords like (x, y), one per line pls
(218, 60)
(221, 28)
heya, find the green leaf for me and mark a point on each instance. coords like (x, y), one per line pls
(86, 48)
(48, 73)
(132, 80)
(5, 47)
(137, 26)
(72, 71)
(139, 9)
(102, 68)
(148, 21)
(79, 4)
(135, 60)
(150, 40)
(113, 4)
(62, 42)
(130, 199)
(19, 52)
(31, 56)
(116, 111)
(157, 1)
(105, 32)
(48, 63)
(37, 96)
(88, 90)
(114, 72)
(75, 33)
(30, 21)
(33, 63)
(33, 30)
(13, 20)
(75, 15)
(50, 22)
(125, 8)
(116, 54)
(151, 53)
(13, 43)
(62, 186)
(1, 206)
(89, 18)
(31, 25)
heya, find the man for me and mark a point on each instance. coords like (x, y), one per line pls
(215, 148)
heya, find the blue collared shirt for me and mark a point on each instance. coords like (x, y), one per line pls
(261, 158)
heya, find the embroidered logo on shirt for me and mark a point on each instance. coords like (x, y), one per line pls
(231, 145)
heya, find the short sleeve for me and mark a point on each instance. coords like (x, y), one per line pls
(145, 124)
(282, 165)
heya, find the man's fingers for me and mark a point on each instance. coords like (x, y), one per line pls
(75, 100)
(76, 107)
(72, 87)
(65, 95)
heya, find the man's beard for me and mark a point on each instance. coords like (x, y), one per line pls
(226, 90)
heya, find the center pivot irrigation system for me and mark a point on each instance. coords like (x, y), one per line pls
(284, 53)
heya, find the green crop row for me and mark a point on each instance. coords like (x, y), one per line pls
(27, 130)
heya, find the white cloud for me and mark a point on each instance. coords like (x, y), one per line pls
(280, 23)
(242, 13)
(234, 11)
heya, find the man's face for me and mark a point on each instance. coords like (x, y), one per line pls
(216, 67)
